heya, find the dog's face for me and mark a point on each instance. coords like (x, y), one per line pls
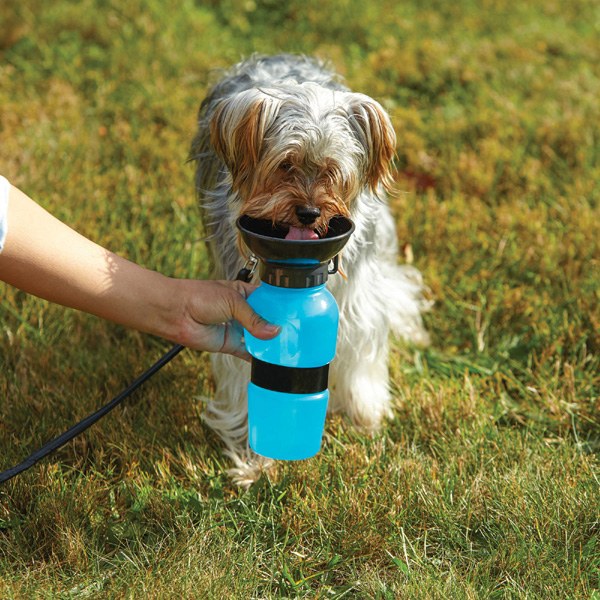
(299, 154)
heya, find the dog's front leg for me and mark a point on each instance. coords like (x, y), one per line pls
(359, 376)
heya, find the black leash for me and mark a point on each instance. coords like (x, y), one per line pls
(245, 274)
(80, 427)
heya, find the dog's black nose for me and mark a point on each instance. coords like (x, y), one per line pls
(307, 214)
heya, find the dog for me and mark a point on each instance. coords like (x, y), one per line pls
(281, 138)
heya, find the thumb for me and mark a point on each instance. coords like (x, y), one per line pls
(244, 314)
(255, 324)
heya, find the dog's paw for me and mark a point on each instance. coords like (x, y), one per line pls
(248, 468)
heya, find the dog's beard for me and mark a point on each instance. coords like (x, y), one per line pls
(279, 207)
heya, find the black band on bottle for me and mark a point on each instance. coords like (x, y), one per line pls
(291, 380)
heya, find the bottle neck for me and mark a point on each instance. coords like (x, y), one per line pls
(298, 276)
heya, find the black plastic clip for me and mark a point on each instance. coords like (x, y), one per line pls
(333, 269)
(246, 272)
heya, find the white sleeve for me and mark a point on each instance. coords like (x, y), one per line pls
(4, 188)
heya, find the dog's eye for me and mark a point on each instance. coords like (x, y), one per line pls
(285, 166)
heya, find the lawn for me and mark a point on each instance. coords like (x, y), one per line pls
(486, 483)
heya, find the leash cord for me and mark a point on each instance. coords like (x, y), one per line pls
(80, 427)
(245, 274)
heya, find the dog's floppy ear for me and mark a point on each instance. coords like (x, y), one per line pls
(237, 131)
(373, 129)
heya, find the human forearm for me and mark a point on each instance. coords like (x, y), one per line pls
(45, 257)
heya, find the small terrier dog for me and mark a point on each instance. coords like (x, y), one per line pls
(280, 138)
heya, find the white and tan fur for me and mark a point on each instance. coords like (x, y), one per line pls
(281, 132)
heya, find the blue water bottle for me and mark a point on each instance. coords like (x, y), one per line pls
(287, 392)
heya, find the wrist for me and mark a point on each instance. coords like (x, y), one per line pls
(159, 307)
(172, 320)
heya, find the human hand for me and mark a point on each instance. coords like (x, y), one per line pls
(213, 314)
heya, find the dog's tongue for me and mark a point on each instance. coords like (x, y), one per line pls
(297, 233)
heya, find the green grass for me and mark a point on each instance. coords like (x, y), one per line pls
(486, 484)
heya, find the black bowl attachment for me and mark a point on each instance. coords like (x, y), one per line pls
(294, 263)
(268, 242)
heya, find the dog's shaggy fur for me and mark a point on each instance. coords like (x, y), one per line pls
(278, 135)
